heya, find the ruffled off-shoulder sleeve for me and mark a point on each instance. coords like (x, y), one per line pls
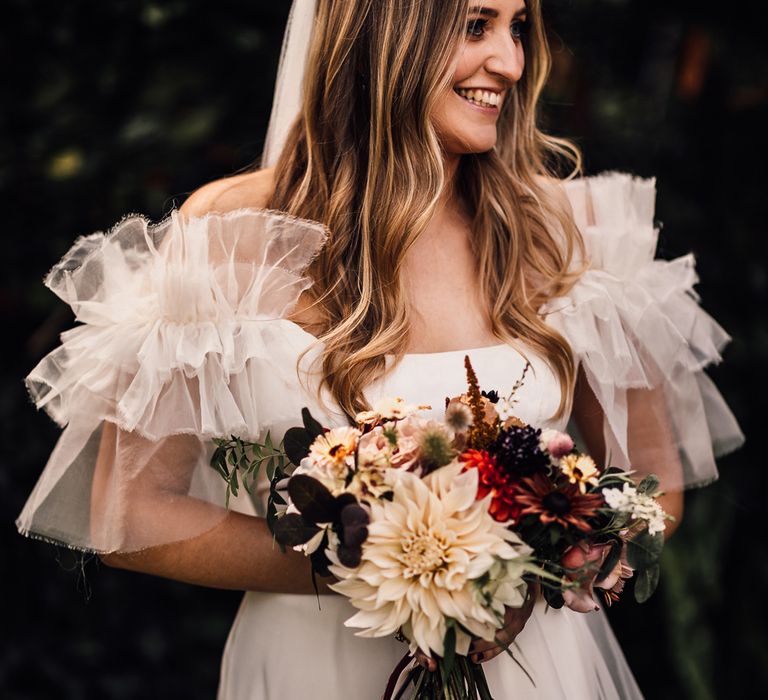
(635, 326)
(182, 338)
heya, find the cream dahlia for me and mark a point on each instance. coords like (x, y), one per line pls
(428, 557)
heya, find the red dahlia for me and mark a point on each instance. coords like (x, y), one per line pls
(492, 479)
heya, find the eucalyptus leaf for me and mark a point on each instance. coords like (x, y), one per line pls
(235, 484)
(644, 549)
(646, 582)
(649, 484)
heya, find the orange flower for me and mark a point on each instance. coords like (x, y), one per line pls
(492, 479)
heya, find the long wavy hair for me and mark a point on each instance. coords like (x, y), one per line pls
(364, 158)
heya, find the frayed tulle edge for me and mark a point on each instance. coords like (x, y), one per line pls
(32, 535)
(25, 532)
(702, 483)
(150, 227)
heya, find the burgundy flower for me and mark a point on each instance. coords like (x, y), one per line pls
(565, 504)
(518, 450)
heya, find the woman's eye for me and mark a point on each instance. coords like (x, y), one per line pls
(519, 28)
(476, 27)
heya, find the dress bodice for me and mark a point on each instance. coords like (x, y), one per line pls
(429, 378)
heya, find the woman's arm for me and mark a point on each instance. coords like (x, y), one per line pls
(651, 445)
(237, 554)
(140, 488)
(238, 551)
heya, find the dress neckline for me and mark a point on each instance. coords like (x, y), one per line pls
(433, 355)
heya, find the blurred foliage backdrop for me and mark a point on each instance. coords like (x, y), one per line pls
(126, 106)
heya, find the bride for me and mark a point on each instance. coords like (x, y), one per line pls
(406, 216)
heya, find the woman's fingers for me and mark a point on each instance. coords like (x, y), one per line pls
(481, 650)
(514, 621)
(426, 661)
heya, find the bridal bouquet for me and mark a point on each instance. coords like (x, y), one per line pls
(433, 528)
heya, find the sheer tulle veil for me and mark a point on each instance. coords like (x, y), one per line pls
(286, 103)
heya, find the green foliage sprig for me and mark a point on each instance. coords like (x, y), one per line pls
(239, 462)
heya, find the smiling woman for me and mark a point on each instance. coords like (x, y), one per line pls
(406, 216)
(488, 66)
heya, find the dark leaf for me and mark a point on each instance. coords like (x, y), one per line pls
(313, 500)
(320, 562)
(344, 500)
(644, 549)
(449, 651)
(312, 426)
(297, 442)
(553, 597)
(646, 582)
(291, 530)
(610, 562)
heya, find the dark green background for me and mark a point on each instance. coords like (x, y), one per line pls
(128, 105)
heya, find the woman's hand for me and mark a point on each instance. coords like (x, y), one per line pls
(480, 650)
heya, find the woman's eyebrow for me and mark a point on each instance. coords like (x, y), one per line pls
(489, 12)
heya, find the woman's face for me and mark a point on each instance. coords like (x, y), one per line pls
(484, 67)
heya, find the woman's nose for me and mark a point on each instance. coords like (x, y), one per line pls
(505, 58)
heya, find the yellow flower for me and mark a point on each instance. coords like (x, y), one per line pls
(581, 470)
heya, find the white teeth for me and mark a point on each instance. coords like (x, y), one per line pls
(481, 97)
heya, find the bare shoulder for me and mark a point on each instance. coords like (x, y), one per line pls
(247, 191)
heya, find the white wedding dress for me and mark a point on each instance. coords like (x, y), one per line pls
(185, 337)
(287, 646)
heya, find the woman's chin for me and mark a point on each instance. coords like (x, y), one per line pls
(476, 144)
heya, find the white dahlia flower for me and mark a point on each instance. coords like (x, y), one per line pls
(433, 553)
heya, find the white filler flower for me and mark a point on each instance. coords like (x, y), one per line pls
(429, 556)
(638, 505)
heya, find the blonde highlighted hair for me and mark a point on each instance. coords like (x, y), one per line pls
(363, 158)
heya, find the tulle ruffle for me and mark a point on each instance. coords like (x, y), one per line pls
(183, 338)
(635, 323)
(179, 329)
